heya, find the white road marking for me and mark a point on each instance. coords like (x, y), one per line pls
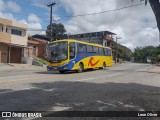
(48, 90)
(98, 77)
(17, 90)
(109, 104)
(53, 89)
(19, 77)
(85, 79)
(113, 75)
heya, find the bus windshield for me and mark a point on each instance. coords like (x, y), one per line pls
(57, 51)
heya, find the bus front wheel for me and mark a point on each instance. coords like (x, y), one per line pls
(80, 68)
(61, 71)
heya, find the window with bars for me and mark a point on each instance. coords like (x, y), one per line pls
(1, 28)
(16, 32)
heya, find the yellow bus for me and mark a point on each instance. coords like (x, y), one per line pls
(74, 55)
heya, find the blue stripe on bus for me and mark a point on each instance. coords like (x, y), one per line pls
(78, 58)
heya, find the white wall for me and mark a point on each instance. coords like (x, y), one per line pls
(17, 39)
(104, 42)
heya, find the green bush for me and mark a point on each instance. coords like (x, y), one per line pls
(41, 60)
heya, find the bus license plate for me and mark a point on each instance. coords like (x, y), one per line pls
(54, 68)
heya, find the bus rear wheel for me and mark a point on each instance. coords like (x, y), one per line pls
(80, 68)
(104, 65)
(61, 71)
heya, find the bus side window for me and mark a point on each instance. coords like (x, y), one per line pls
(95, 49)
(89, 49)
(72, 50)
(101, 51)
(109, 51)
(82, 48)
(105, 51)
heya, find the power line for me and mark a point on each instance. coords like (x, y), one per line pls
(32, 29)
(100, 13)
(81, 15)
(37, 30)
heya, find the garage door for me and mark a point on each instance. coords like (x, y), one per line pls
(15, 56)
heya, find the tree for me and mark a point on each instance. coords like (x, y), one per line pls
(57, 30)
(155, 5)
(142, 54)
(122, 52)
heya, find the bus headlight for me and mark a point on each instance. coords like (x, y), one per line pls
(65, 68)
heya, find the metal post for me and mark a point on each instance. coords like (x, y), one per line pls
(116, 52)
(0, 56)
(51, 5)
(9, 59)
(117, 48)
(51, 23)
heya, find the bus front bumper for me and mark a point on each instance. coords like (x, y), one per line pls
(53, 68)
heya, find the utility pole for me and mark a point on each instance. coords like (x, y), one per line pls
(117, 49)
(51, 5)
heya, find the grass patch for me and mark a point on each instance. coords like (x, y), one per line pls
(41, 60)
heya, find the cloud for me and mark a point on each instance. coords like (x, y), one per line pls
(9, 5)
(13, 6)
(2, 5)
(34, 24)
(123, 22)
(137, 25)
(23, 21)
(33, 18)
(40, 4)
(7, 16)
(33, 21)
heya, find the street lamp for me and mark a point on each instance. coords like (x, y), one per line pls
(118, 38)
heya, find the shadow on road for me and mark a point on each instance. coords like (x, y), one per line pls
(67, 72)
(4, 90)
(81, 96)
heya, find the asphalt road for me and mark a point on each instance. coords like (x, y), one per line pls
(123, 87)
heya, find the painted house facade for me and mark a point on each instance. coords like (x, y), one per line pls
(13, 40)
(36, 47)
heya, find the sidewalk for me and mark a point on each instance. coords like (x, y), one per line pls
(154, 69)
(18, 67)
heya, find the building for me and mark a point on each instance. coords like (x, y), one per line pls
(32, 48)
(13, 39)
(104, 38)
(36, 47)
(40, 37)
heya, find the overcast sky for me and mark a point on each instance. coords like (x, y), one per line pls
(136, 26)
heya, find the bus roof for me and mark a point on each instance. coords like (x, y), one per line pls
(72, 40)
